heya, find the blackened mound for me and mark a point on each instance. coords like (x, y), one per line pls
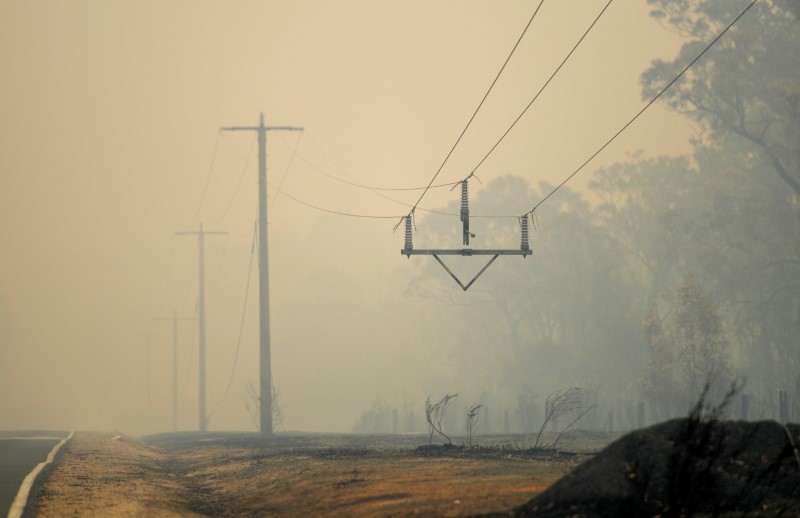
(684, 467)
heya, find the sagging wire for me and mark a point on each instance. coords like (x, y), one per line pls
(355, 181)
(542, 88)
(535, 97)
(208, 177)
(469, 122)
(241, 177)
(650, 103)
(244, 313)
(286, 172)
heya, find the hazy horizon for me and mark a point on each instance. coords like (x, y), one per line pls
(110, 131)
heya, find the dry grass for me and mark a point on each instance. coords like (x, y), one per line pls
(100, 476)
(241, 475)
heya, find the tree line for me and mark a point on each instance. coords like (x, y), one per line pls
(669, 271)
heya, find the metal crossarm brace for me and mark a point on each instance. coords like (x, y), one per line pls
(465, 288)
(465, 252)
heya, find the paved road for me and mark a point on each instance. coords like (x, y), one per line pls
(20, 452)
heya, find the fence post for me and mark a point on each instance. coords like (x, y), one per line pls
(640, 415)
(783, 404)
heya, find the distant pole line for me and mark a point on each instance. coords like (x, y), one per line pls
(174, 318)
(201, 323)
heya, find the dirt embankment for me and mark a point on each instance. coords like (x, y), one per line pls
(289, 476)
(685, 467)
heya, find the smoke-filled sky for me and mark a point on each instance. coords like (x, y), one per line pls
(109, 119)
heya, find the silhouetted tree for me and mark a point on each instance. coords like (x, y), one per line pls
(748, 88)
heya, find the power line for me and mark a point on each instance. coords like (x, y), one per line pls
(286, 171)
(373, 216)
(208, 177)
(168, 280)
(241, 323)
(357, 215)
(374, 190)
(248, 165)
(356, 183)
(472, 173)
(239, 181)
(191, 351)
(650, 103)
(330, 211)
(653, 100)
(479, 106)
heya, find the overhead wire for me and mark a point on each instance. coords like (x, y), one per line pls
(307, 204)
(241, 177)
(650, 103)
(368, 216)
(208, 177)
(286, 171)
(356, 183)
(416, 205)
(525, 30)
(192, 349)
(331, 211)
(376, 191)
(244, 313)
(168, 280)
(535, 97)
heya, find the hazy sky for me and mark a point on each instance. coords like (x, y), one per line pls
(109, 117)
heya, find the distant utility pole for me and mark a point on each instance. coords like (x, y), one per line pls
(201, 320)
(265, 368)
(174, 319)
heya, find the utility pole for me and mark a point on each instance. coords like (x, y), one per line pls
(174, 319)
(201, 319)
(265, 367)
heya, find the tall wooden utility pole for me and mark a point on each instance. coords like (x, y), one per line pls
(265, 368)
(201, 322)
(174, 319)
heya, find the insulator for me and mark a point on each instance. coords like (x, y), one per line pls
(465, 211)
(523, 221)
(409, 245)
(464, 199)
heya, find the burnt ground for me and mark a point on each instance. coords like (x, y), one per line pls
(236, 474)
(684, 467)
